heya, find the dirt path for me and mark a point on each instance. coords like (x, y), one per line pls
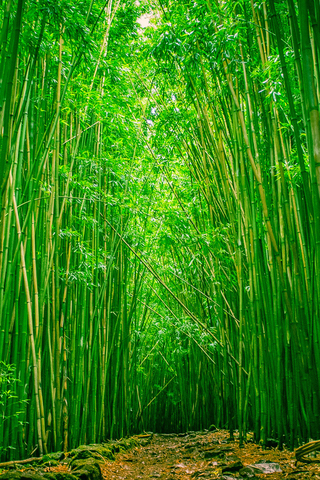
(202, 455)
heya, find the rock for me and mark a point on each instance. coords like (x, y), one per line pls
(180, 465)
(79, 464)
(263, 467)
(10, 476)
(27, 475)
(37, 475)
(31, 474)
(99, 452)
(88, 469)
(89, 473)
(267, 467)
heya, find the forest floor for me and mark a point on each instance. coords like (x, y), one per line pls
(190, 456)
(202, 456)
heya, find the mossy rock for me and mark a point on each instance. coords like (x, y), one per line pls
(80, 464)
(26, 475)
(10, 475)
(77, 464)
(88, 474)
(31, 474)
(102, 451)
(119, 446)
(88, 469)
(98, 452)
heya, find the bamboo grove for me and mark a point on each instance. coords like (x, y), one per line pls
(159, 235)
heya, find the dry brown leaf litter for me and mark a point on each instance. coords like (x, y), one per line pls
(181, 457)
(174, 457)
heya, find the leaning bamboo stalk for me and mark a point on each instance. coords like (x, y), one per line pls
(30, 324)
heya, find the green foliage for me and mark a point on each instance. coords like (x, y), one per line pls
(11, 406)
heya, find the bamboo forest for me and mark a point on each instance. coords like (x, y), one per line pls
(159, 222)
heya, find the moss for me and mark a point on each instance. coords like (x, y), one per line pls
(88, 469)
(80, 464)
(99, 452)
(51, 459)
(122, 445)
